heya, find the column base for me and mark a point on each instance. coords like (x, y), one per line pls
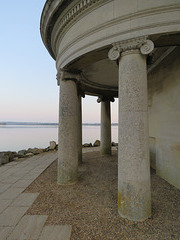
(134, 203)
(133, 219)
(106, 152)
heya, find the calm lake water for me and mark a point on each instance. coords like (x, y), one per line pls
(18, 137)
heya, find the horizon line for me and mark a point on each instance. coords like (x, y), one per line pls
(40, 123)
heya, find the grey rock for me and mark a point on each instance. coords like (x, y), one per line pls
(19, 156)
(52, 145)
(46, 149)
(96, 143)
(87, 145)
(6, 157)
(22, 152)
(29, 154)
(35, 151)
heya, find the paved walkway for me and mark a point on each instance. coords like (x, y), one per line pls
(15, 177)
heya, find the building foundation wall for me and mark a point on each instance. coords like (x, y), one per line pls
(164, 118)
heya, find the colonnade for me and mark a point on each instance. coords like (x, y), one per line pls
(134, 196)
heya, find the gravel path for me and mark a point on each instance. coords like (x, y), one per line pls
(90, 206)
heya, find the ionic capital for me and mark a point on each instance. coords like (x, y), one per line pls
(64, 75)
(143, 44)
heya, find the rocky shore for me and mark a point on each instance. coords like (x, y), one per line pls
(9, 156)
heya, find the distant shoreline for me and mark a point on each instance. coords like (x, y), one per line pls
(45, 124)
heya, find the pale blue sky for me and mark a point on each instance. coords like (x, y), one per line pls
(28, 89)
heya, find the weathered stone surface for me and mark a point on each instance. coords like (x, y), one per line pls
(105, 148)
(79, 135)
(11, 193)
(52, 145)
(12, 215)
(22, 152)
(134, 197)
(87, 145)
(6, 157)
(4, 204)
(24, 200)
(29, 227)
(4, 187)
(68, 117)
(35, 150)
(38, 151)
(61, 232)
(19, 156)
(96, 143)
(4, 232)
(164, 118)
(29, 154)
(46, 149)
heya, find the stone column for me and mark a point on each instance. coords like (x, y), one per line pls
(68, 129)
(105, 147)
(80, 128)
(134, 195)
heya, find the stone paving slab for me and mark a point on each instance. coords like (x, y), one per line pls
(4, 232)
(11, 193)
(11, 216)
(4, 204)
(22, 183)
(4, 187)
(29, 227)
(31, 176)
(12, 164)
(8, 172)
(56, 232)
(14, 179)
(4, 168)
(11, 179)
(24, 200)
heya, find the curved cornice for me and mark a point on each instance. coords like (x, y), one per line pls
(106, 39)
(53, 13)
(68, 19)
